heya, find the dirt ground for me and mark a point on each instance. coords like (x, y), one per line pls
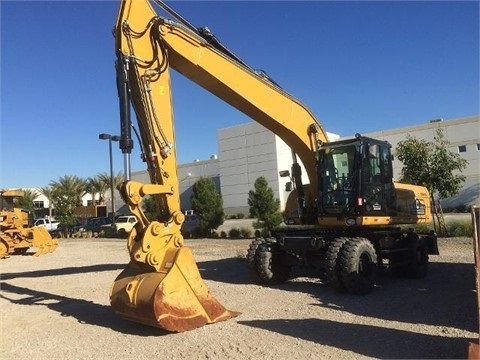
(56, 306)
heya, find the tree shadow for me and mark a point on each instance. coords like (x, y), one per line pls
(86, 312)
(368, 340)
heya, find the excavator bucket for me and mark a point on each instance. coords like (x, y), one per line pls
(42, 240)
(175, 299)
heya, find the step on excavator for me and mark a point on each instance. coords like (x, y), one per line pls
(17, 235)
(348, 220)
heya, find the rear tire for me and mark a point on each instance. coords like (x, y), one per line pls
(358, 266)
(270, 265)
(252, 249)
(333, 267)
(418, 256)
(413, 263)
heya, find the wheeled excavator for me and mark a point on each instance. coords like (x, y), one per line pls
(17, 235)
(348, 220)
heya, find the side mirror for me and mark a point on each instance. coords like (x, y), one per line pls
(284, 173)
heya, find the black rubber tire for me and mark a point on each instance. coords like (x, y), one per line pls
(358, 266)
(418, 259)
(252, 249)
(333, 268)
(270, 265)
(412, 264)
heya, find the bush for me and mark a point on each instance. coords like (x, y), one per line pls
(234, 233)
(223, 234)
(246, 232)
(240, 216)
(460, 228)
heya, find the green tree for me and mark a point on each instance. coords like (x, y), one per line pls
(48, 193)
(67, 194)
(207, 203)
(94, 187)
(264, 206)
(432, 165)
(149, 208)
(104, 180)
(26, 202)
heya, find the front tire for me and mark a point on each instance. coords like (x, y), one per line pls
(270, 264)
(252, 249)
(333, 267)
(358, 266)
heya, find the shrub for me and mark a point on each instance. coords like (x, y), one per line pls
(223, 234)
(460, 228)
(246, 232)
(240, 216)
(234, 233)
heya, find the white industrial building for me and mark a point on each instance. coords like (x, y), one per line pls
(248, 151)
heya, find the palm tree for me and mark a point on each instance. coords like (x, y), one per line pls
(72, 186)
(67, 195)
(48, 193)
(118, 179)
(105, 179)
(26, 202)
(94, 187)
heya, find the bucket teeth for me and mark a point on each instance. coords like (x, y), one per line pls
(176, 300)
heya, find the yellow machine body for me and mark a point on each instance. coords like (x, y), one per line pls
(161, 286)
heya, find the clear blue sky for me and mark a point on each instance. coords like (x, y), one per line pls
(359, 66)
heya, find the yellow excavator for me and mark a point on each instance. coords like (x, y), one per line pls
(17, 235)
(347, 221)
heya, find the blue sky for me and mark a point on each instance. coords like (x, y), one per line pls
(359, 66)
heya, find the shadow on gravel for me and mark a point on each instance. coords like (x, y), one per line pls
(229, 270)
(446, 297)
(367, 340)
(86, 312)
(62, 271)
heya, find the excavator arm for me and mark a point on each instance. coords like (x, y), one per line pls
(161, 285)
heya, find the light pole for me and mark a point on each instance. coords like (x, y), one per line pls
(110, 138)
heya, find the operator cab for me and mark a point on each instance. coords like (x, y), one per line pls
(355, 178)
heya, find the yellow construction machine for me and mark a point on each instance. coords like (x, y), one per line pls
(348, 220)
(17, 235)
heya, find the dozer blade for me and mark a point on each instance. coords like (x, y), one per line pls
(176, 300)
(43, 241)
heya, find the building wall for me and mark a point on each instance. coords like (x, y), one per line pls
(462, 133)
(248, 151)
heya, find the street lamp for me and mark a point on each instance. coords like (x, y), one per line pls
(110, 138)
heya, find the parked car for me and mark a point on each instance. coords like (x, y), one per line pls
(124, 224)
(49, 224)
(94, 224)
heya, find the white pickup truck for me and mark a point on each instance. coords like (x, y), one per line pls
(50, 225)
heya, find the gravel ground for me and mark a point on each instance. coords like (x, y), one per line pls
(56, 307)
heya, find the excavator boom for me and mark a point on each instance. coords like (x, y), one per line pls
(350, 201)
(161, 285)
